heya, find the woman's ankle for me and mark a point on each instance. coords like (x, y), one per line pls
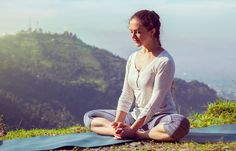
(141, 134)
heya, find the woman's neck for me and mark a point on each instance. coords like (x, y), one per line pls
(153, 48)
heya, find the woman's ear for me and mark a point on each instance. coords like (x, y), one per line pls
(153, 31)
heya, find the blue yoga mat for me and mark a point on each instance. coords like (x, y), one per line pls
(218, 133)
(225, 133)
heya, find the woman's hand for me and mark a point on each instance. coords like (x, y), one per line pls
(125, 132)
(116, 125)
(122, 130)
(117, 128)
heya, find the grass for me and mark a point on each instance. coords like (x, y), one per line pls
(22, 133)
(220, 112)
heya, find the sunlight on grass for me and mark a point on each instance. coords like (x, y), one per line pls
(21, 133)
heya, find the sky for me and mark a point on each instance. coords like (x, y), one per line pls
(199, 34)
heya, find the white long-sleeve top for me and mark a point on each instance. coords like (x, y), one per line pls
(150, 89)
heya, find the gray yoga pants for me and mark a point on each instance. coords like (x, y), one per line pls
(176, 125)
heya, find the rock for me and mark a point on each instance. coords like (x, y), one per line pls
(136, 144)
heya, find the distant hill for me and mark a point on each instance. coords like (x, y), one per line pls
(50, 80)
(193, 96)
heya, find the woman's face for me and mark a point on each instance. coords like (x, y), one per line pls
(139, 34)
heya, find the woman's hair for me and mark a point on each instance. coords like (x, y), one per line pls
(150, 20)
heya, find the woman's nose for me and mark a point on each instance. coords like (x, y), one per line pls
(133, 35)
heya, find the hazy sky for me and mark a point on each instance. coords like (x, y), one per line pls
(200, 34)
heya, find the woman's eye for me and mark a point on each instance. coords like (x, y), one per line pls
(135, 32)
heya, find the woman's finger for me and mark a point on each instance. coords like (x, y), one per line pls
(121, 125)
(118, 131)
(114, 124)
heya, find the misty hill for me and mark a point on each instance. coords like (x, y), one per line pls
(50, 80)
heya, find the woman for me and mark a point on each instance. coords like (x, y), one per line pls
(148, 79)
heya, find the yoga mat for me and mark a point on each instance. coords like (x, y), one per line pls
(217, 133)
(52, 142)
(225, 133)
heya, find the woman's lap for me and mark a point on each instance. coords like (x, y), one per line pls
(176, 125)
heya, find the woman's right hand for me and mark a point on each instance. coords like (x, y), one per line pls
(118, 129)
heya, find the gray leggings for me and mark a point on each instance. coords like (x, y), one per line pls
(176, 125)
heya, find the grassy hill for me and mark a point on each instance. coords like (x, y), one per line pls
(217, 113)
(49, 80)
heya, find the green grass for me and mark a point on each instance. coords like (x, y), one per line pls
(21, 133)
(220, 112)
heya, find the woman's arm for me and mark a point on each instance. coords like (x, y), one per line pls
(118, 123)
(120, 116)
(137, 124)
(124, 103)
(127, 96)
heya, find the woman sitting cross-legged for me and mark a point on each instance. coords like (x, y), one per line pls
(147, 83)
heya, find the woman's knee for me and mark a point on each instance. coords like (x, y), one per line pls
(178, 127)
(90, 115)
(88, 118)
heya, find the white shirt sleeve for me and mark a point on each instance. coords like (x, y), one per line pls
(162, 84)
(127, 96)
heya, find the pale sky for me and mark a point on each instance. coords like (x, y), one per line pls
(200, 34)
